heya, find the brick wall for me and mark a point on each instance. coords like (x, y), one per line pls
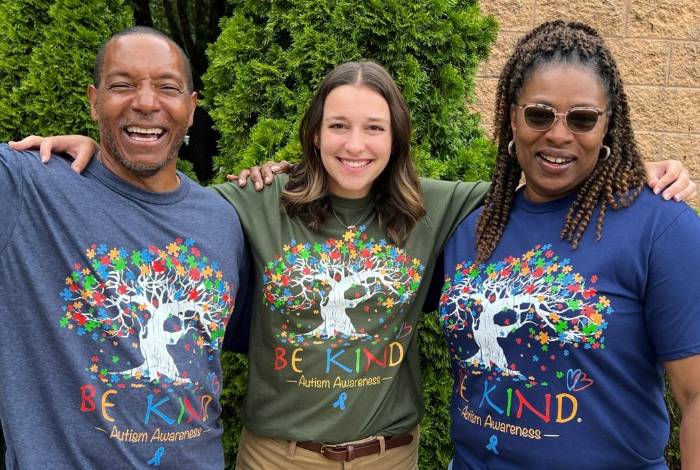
(656, 44)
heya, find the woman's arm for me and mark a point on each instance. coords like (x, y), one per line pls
(668, 177)
(684, 375)
(79, 147)
(671, 177)
(82, 149)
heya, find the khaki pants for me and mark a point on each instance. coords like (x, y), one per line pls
(263, 453)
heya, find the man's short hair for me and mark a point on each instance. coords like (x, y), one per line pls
(141, 31)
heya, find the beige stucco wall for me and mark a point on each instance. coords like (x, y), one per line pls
(657, 46)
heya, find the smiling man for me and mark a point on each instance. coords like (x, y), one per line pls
(143, 107)
(117, 285)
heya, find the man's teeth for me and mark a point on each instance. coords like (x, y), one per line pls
(355, 163)
(144, 134)
(555, 159)
(144, 130)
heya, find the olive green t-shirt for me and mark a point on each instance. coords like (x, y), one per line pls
(333, 354)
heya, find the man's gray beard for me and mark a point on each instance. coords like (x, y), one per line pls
(141, 170)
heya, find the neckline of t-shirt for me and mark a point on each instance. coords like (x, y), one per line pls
(543, 207)
(99, 171)
(351, 205)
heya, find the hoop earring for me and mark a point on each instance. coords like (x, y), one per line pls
(510, 148)
(607, 153)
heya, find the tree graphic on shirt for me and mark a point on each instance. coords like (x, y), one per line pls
(161, 297)
(536, 292)
(329, 279)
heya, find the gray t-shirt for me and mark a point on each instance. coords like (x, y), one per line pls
(113, 306)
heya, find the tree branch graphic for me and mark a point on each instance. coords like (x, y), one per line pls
(337, 276)
(162, 297)
(537, 291)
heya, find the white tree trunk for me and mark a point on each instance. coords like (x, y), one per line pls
(333, 312)
(486, 334)
(153, 341)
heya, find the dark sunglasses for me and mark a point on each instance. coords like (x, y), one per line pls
(579, 119)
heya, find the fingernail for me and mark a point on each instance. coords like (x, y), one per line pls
(657, 190)
(258, 186)
(241, 181)
(667, 196)
(275, 168)
(268, 179)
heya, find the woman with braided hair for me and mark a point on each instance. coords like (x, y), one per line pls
(559, 333)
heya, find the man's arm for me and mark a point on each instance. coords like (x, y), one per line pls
(668, 177)
(261, 174)
(11, 186)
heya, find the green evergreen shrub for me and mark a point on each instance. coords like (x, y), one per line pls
(187, 168)
(235, 380)
(52, 95)
(673, 451)
(22, 24)
(271, 56)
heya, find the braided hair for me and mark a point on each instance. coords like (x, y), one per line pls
(614, 182)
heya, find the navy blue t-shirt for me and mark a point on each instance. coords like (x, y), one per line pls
(114, 302)
(557, 353)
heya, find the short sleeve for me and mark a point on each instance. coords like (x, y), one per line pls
(253, 207)
(672, 300)
(432, 299)
(448, 203)
(11, 177)
(238, 329)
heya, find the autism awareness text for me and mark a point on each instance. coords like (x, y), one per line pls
(129, 435)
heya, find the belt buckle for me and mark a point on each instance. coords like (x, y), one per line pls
(326, 447)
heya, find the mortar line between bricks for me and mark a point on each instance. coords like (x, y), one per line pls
(644, 86)
(669, 55)
(667, 133)
(648, 38)
(626, 17)
(662, 87)
(620, 36)
(624, 38)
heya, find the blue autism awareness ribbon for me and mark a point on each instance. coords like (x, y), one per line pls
(340, 402)
(155, 461)
(493, 442)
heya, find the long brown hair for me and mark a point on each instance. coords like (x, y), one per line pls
(397, 193)
(615, 181)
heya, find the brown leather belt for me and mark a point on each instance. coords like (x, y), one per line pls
(348, 452)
